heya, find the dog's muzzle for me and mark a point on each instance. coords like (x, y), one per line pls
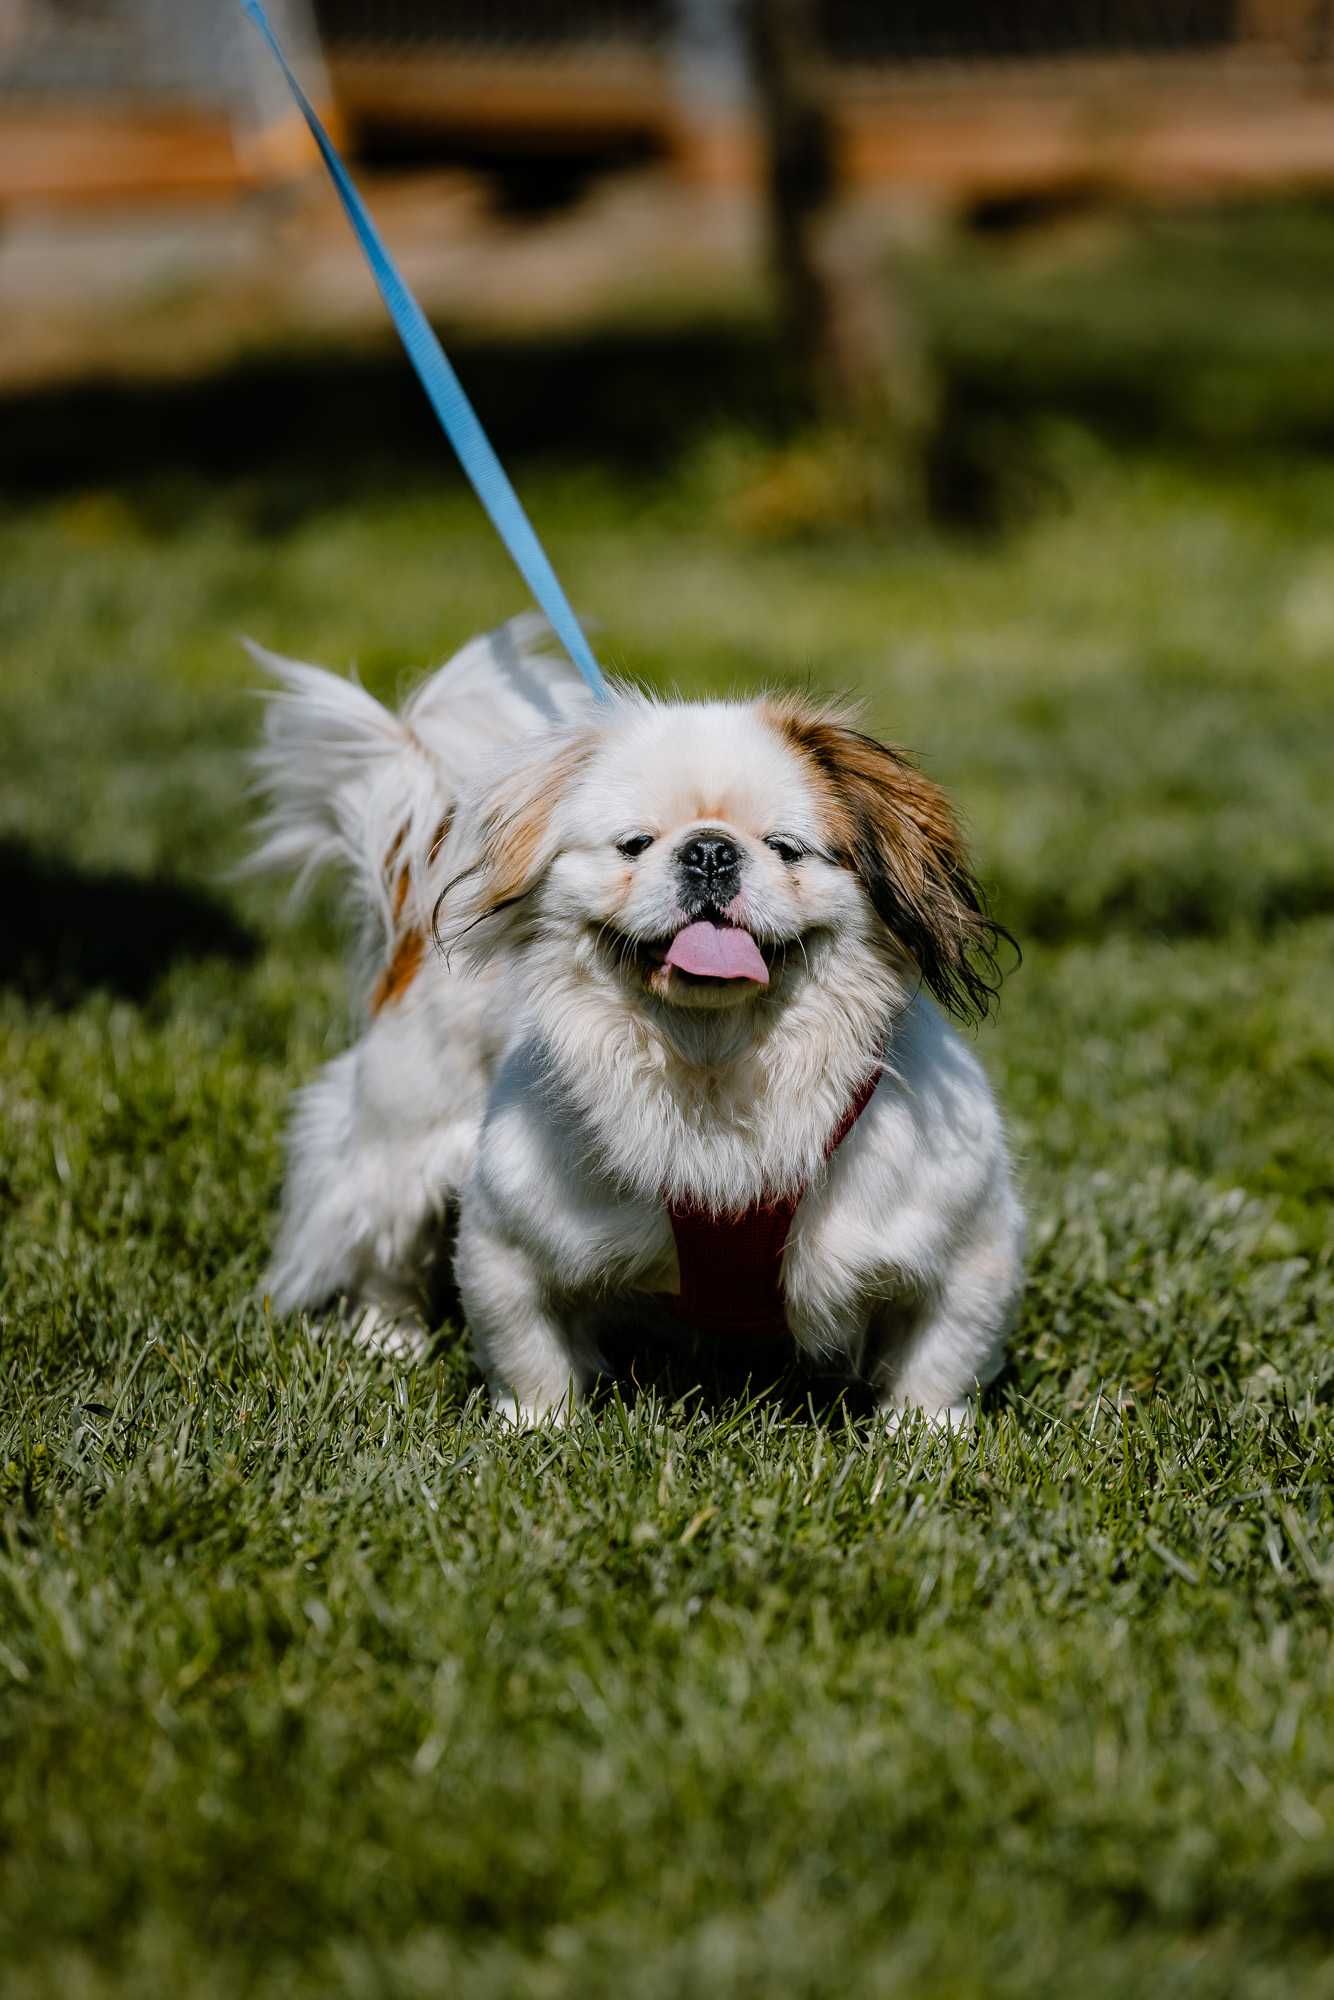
(709, 866)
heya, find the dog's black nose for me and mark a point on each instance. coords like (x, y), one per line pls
(712, 863)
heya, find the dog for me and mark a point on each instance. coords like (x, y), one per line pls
(654, 1003)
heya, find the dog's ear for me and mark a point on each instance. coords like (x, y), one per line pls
(505, 841)
(896, 829)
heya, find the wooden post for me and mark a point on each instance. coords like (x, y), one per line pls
(849, 332)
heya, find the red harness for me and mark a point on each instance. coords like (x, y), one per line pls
(732, 1265)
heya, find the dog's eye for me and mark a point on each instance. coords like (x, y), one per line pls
(633, 844)
(786, 850)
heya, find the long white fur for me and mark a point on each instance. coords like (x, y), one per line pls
(345, 781)
(380, 1143)
(529, 1079)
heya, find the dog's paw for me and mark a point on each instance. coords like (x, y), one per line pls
(516, 1415)
(395, 1336)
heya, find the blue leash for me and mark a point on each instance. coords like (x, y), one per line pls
(446, 393)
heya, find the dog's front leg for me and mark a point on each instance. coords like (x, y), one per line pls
(936, 1355)
(535, 1360)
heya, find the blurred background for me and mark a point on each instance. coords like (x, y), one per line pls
(550, 162)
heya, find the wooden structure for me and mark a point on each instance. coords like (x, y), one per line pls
(135, 98)
(966, 99)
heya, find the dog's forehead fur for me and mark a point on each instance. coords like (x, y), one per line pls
(662, 765)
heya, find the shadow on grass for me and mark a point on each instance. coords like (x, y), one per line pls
(718, 1376)
(650, 1352)
(722, 1375)
(315, 427)
(70, 930)
(338, 423)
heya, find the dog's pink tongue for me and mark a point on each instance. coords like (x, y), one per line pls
(718, 951)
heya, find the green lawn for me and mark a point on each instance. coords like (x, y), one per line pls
(314, 1683)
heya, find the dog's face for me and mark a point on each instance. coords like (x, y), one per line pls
(694, 858)
(709, 856)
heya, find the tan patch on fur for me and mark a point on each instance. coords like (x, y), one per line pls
(721, 808)
(409, 946)
(440, 836)
(404, 964)
(517, 834)
(897, 830)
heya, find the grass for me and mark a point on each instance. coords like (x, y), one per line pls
(311, 1681)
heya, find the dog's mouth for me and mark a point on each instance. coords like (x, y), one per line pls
(705, 952)
(707, 949)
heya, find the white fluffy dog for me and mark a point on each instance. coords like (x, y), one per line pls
(648, 1014)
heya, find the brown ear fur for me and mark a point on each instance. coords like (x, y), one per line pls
(513, 830)
(897, 830)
